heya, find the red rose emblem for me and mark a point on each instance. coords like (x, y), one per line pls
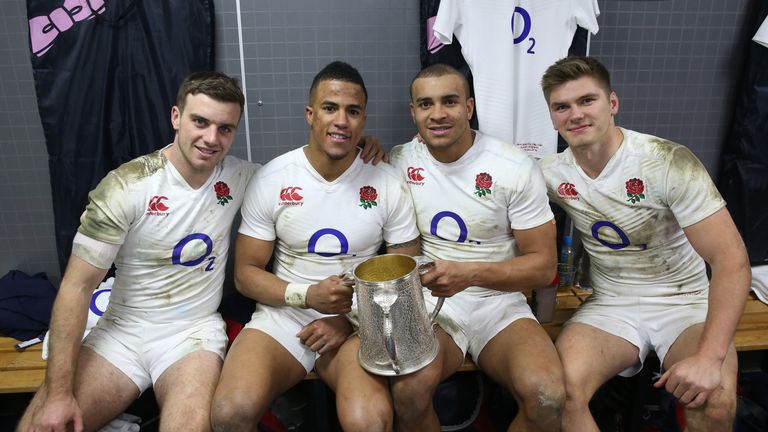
(567, 189)
(635, 186)
(635, 189)
(483, 183)
(368, 197)
(484, 180)
(222, 192)
(221, 189)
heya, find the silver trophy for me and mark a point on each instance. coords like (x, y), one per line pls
(396, 333)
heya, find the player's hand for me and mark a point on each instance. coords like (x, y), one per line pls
(692, 380)
(330, 296)
(325, 334)
(55, 414)
(447, 278)
(372, 150)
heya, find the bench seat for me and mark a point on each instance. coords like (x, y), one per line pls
(24, 371)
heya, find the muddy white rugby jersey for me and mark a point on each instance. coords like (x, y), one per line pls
(631, 216)
(466, 210)
(174, 238)
(324, 228)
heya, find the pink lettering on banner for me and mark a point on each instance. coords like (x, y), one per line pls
(44, 29)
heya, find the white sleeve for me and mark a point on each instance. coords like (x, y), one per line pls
(95, 252)
(690, 192)
(586, 13)
(111, 210)
(257, 221)
(529, 205)
(761, 36)
(401, 221)
(447, 20)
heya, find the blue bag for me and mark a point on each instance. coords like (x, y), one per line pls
(25, 304)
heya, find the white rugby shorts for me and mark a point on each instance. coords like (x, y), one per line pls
(144, 350)
(649, 323)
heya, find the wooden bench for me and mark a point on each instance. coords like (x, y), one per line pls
(24, 371)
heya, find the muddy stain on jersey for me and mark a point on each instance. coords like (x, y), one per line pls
(99, 219)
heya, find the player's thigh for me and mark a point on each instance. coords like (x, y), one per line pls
(187, 386)
(102, 391)
(686, 345)
(342, 371)
(591, 356)
(424, 381)
(357, 391)
(521, 352)
(258, 367)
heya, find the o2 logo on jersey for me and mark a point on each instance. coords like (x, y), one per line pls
(463, 232)
(521, 26)
(99, 301)
(194, 244)
(624, 239)
(343, 242)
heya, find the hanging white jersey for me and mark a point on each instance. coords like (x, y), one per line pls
(631, 216)
(467, 210)
(324, 228)
(761, 36)
(174, 239)
(508, 45)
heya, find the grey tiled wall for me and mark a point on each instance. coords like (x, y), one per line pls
(26, 215)
(286, 43)
(674, 63)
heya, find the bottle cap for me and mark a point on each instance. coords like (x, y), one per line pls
(567, 240)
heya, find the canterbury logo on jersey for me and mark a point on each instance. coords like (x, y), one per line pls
(567, 191)
(157, 207)
(415, 176)
(290, 196)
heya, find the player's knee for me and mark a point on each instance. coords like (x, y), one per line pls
(718, 413)
(364, 418)
(413, 398)
(543, 400)
(414, 404)
(233, 413)
(576, 392)
(186, 420)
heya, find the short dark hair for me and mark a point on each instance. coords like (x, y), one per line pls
(572, 68)
(437, 70)
(215, 85)
(337, 71)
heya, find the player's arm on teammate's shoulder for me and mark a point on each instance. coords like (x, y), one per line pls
(411, 247)
(719, 243)
(371, 150)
